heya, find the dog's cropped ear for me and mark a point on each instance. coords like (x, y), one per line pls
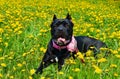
(68, 17)
(54, 17)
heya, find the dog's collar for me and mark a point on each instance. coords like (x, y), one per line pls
(72, 46)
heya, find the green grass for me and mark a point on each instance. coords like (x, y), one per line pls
(25, 32)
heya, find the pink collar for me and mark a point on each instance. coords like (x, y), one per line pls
(72, 46)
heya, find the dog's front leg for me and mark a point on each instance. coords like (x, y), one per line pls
(60, 64)
(45, 63)
(47, 59)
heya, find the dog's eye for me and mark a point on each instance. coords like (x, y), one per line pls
(66, 25)
(55, 25)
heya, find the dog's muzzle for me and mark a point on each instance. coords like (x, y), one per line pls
(71, 46)
(61, 41)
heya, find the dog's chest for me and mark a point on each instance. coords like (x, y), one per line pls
(61, 53)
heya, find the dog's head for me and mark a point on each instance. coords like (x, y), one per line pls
(62, 30)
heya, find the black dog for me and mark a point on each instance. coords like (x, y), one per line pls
(63, 43)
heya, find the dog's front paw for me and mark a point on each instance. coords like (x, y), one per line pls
(54, 59)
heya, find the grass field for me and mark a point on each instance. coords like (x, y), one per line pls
(25, 32)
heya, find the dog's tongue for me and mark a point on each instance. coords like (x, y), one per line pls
(61, 40)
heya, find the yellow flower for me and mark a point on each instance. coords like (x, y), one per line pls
(1, 75)
(80, 55)
(1, 30)
(113, 66)
(71, 61)
(42, 77)
(30, 36)
(19, 32)
(11, 77)
(24, 54)
(118, 56)
(2, 58)
(6, 44)
(24, 62)
(70, 77)
(32, 71)
(30, 77)
(42, 49)
(98, 71)
(1, 40)
(19, 65)
(88, 53)
(3, 65)
(115, 74)
(114, 52)
(76, 70)
(102, 60)
(23, 70)
(118, 49)
(60, 73)
(43, 30)
(94, 66)
(106, 70)
(97, 30)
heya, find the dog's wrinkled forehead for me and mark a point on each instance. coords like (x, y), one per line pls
(61, 21)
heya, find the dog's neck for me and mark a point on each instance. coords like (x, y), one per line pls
(72, 46)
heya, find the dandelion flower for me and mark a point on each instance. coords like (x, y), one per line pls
(19, 32)
(102, 60)
(106, 70)
(24, 54)
(98, 70)
(6, 44)
(3, 65)
(42, 77)
(1, 30)
(24, 62)
(1, 50)
(11, 77)
(0, 39)
(94, 66)
(30, 77)
(118, 49)
(118, 56)
(1, 75)
(42, 49)
(88, 53)
(32, 71)
(115, 74)
(19, 65)
(113, 66)
(76, 70)
(23, 70)
(60, 73)
(70, 77)
(71, 61)
(114, 52)
(80, 55)
(2, 58)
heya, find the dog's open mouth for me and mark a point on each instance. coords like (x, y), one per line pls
(61, 41)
